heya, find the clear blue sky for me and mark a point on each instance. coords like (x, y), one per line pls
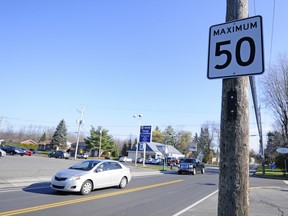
(118, 58)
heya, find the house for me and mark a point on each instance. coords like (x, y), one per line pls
(154, 150)
(80, 149)
(47, 146)
(29, 141)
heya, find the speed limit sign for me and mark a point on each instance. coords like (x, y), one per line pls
(236, 48)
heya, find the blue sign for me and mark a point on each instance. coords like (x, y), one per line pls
(145, 134)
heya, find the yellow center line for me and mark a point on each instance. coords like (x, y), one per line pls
(69, 202)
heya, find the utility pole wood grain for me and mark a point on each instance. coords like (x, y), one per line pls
(233, 196)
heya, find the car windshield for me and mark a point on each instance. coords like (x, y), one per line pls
(188, 160)
(85, 165)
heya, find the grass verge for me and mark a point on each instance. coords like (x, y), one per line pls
(271, 173)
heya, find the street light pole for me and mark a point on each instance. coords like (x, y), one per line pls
(99, 153)
(139, 116)
(80, 121)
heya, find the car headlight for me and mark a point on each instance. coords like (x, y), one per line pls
(76, 178)
(190, 166)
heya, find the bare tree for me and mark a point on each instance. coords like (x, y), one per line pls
(275, 87)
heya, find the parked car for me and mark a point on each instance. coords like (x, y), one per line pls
(59, 154)
(34, 151)
(140, 160)
(172, 160)
(27, 151)
(191, 165)
(13, 150)
(88, 175)
(156, 161)
(2, 153)
(125, 159)
(148, 160)
(83, 156)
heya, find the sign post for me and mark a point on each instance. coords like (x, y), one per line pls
(145, 136)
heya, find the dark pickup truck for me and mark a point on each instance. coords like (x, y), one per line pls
(190, 166)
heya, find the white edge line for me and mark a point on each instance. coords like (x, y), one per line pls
(194, 204)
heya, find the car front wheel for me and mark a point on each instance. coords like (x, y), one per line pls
(123, 183)
(86, 187)
(202, 170)
(193, 171)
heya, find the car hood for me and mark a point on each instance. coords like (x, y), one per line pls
(68, 173)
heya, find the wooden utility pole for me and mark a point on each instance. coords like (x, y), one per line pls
(233, 197)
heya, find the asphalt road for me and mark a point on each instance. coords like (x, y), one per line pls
(24, 190)
(151, 193)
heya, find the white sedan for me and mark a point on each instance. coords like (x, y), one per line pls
(88, 175)
(125, 159)
(2, 153)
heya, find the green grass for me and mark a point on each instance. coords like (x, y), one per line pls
(269, 173)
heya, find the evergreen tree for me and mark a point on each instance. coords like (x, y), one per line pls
(124, 150)
(59, 138)
(275, 140)
(108, 147)
(43, 138)
(205, 145)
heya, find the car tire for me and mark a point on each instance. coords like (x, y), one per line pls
(11, 153)
(86, 187)
(179, 172)
(193, 171)
(202, 170)
(0, 154)
(123, 183)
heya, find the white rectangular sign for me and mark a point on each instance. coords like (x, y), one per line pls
(236, 48)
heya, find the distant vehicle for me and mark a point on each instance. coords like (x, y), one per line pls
(83, 156)
(140, 160)
(27, 151)
(13, 150)
(191, 165)
(34, 151)
(172, 160)
(59, 154)
(125, 159)
(2, 153)
(148, 160)
(156, 161)
(88, 175)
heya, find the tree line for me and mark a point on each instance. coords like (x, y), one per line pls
(206, 141)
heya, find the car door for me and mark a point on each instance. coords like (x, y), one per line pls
(102, 176)
(116, 173)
